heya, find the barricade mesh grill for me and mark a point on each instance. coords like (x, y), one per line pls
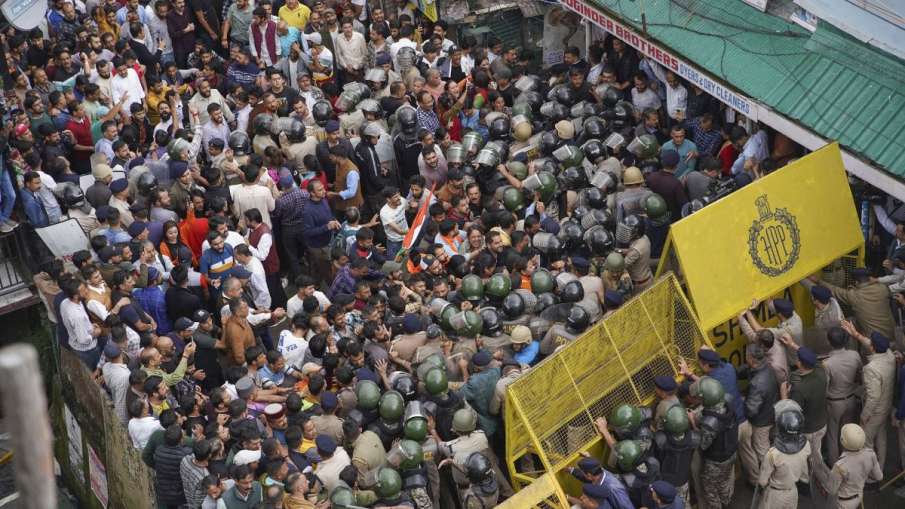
(614, 362)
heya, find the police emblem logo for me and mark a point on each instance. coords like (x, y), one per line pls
(774, 241)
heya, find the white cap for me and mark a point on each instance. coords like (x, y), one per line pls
(246, 457)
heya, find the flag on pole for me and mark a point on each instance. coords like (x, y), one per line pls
(420, 217)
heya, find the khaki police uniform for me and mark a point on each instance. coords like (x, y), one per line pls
(843, 370)
(778, 474)
(845, 482)
(367, 455)
(879, 384)
(556, 337)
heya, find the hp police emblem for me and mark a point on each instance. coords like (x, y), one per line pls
(774, 241)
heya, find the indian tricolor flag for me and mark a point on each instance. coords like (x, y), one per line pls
(420, 217)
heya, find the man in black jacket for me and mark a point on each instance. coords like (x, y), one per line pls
(138, 46)
(763, 393)
(167, 459)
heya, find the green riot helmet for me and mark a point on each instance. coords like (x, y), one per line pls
(628, 454)
(523, 109)
(518, 169)
(435, 382)
(411, 454)
(368, 394)
(391, 406)
(498, 286)
(542, 281)
(675, 422)
(513, 199)
(464, 420)
(625, 419)
(434, 360)
(656, 209)
(472, 142)
(547, 186)
(513, 306)
(569, 155)
(446, 317)
(615, 263)
(467, 323)
(645, 146)
(472, 288)
(455, 154)
(389, 483)
(710, 390)
(342, 497)
(415, 429)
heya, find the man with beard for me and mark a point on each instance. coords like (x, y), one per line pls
(206, 96)
(182, 32)
(292, 66)
(284, 95)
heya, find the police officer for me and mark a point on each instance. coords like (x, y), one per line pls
(446, 401)
(807, 387)
(843, 370)
(674, 447)
(785, 463)
(482, 492)
(763, 392)
(389, 489)
(637, 468)
(634, 246)
(879, 385)
(560, 334)
(600, 484)
(368, 395)
(388, 426)
(469, 440)
(665, 388)
(719, 442)
(367, 449)
(493, 338)
(664, 495)
(856, 466)
(408, 458)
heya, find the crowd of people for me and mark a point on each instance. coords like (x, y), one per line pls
(326, 236)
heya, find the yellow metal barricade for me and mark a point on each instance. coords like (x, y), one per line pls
(550, 411)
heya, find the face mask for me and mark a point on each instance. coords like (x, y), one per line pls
(165, 116)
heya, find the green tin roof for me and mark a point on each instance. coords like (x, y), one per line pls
(839, 87)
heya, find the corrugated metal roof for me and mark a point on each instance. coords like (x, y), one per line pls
(837, 86)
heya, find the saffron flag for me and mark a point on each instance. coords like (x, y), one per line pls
(420, 217)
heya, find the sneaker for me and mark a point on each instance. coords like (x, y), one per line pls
(284, 282)
(11, 223)
(5, 228)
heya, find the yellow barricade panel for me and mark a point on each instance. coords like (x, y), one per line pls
(765, 236)
(550, 411)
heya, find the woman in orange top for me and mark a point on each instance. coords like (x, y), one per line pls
(171, 242)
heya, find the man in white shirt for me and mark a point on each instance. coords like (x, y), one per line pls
(101, 77)
(642, 96)
(206, 96)
(116, 379)
(392, 217)
(142, 425)
(405, 41)
(82, 333)
(351, 51)
(307, 287)
(257, 279)
(126, 82)
(293, 343)
(215, 127)
(754, 151)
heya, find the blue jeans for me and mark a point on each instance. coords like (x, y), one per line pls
(392, 249)
(7, 194)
